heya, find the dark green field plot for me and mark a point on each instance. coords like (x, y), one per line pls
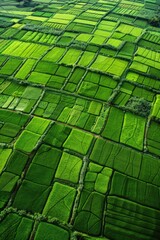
(79, 120)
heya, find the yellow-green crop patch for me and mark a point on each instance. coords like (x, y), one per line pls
(110, 65)
(25, 50)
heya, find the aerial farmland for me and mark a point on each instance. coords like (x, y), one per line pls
(79, 119)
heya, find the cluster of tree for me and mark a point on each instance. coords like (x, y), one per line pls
(139, 106)
(25, 3)
(155, 21)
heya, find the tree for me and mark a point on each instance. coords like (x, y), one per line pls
(155, 21)
(25, 3)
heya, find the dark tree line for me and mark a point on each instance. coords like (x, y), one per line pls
(25, 2)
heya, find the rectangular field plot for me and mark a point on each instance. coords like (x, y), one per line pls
(126, 128)
(97, 86)
(49, 74)
(46, 229)
(129, 29)
(80, 27)
(10, 66)
(91, 211)
(60, 201)
(18, 97)
(74, 79)
(150, 40)
(143, 80)
(4, 154)
(107, 25)
(31, 196)
(117, 217)
(14, 225)
(153, 138)
(32, 134)
(121, 182)
(11, 125)
(69, 168)
(134, 98)
(133, 131)
(71, 56)
(110, 65)
(146, 61)
(55, 54)
(86, 59)
(156, 108)
(25, 69)
(74, 111)
(126, 160)
(38, 37)
(25, 50)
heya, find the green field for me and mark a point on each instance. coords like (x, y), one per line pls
(80, 120)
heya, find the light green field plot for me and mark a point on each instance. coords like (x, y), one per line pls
(133, 131)
(41, 78)
(25, 69)
(84, 37)
(142, 79)
(4, 155)
(97, 175)
(71, 57)
(55, 54)
(98, 40)
(83, 141)
(86, 59)
(23, 49)
(124, 28)
(69, 168)
(19, 97)
(38, 37)
(110, 65)
(156, 107)
(116, 43)
(60, 201)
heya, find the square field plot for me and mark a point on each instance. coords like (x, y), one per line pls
(82, 139)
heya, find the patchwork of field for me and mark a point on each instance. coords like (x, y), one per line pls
(79, 120)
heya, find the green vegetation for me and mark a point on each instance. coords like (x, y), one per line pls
(139, 106)
(155, 21)
(79, 120)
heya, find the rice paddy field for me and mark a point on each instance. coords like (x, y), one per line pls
(79, 120)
